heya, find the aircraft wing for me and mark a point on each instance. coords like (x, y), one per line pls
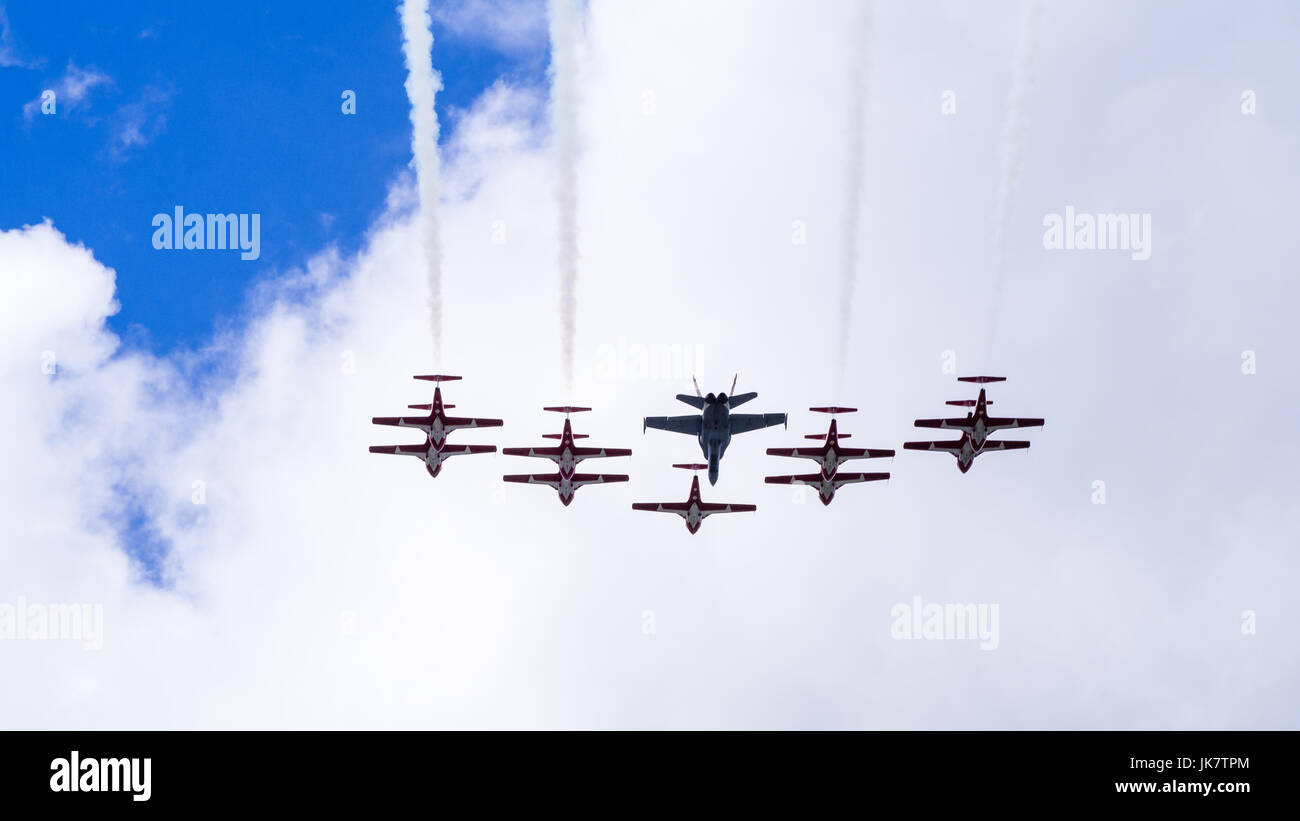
(1003, 423)
(745, 422)
(553, 479)
(457, 422)
(421, 422)
(814, 479)
(580, 479)
(680, 508)
(542, 453)
(840, 479)
(676, 424)
(549, 479)
(599, 453)
(465, 450)
(710, 508)
(948, 447)
(400, 450)
(1003, 444)
(864, 453)
(798, 453)
(961, 423)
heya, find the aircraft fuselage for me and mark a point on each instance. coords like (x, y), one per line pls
(715, 435)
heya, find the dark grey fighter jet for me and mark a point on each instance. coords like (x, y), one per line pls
(715, 424)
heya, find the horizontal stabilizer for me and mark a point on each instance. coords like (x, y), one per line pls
(737, 401)
(981, 380)
(834, 409)
(696, 402)
(561, 435)
(437, 377)
(822, 436)
(428, 407)
(565, 409)
(692, 466)
(966, 403)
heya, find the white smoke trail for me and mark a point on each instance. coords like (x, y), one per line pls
(1014, 127)
(564, 123)
(855, 171)
(422, 86)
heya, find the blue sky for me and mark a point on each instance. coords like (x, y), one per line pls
(218, 108)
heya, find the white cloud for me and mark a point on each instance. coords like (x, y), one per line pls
(323, 586)
(508, 25)
(71, 91)
(139, 122)
(10, 54)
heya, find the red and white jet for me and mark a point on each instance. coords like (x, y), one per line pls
(829, 457)
(965, 450)
(978, 425)
(975, 428)
(566, 457)
(694, 510)
(434, 450)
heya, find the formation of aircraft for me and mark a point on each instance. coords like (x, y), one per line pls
(694, 510)
(566, 457)
(975, 428)
(435, 449)
(713, 428)
(829, 456)
(715, 424)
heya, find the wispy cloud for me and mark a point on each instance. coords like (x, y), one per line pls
(71, 90)
(9, 52)
(138, 122)
(507, 25)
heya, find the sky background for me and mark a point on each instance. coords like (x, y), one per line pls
(213, 109)
(317, 585)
